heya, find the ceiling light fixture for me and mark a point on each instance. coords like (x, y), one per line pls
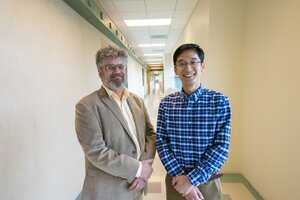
(148, 22)
(154, 54)
(155, 64)
(158, 59)
(152, 45)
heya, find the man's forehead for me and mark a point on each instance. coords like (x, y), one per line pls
(117, 60)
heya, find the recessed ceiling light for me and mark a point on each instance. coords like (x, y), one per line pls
(152, 45)
(148, 22)
(157, 59)
(153, 54)
(155, 64)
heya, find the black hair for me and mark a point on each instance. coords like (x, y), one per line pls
(186, 47)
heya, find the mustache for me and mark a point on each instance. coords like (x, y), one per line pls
(117, 75)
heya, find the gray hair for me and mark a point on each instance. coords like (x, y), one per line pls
(109, 52)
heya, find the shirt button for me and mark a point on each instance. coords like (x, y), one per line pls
(133, 152)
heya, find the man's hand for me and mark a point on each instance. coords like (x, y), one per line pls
(146, 169)
(182, 184)
(137, 184)
(194, 194)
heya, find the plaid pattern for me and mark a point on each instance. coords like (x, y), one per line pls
(193, 133)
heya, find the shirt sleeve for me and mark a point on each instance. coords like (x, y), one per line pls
(139, 171)
(163, 146)
(216, 155)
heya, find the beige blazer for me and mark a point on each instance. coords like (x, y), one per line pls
(110, 153)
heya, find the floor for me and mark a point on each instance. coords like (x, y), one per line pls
(234, 186)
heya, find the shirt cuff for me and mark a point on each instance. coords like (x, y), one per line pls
(139, 171)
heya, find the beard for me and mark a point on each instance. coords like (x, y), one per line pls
(116, 81)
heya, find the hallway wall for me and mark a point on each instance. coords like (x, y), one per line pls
(168, 74)
(135, 80)
(224, 59)
(47, 64)
(251, 49)
(270, 98)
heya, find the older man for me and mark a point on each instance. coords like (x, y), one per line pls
(115, 133)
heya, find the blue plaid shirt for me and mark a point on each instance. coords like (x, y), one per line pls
(193, 133)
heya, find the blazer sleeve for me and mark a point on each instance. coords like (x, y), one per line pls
(90, 136)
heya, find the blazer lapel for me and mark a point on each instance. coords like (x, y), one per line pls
(113, 106)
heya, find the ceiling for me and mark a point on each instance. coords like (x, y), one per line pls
(178, 10)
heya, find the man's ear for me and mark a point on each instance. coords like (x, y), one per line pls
(203, 65)
(175, 70)
(100, 73)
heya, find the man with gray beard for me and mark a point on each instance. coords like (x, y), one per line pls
(116, 135)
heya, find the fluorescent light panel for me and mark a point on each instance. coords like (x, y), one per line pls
(153, 54)
(155, 64)
(152, 45)
(150, 60)
(148, 22)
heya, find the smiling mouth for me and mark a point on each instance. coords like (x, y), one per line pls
(117, 77)
(188, 75)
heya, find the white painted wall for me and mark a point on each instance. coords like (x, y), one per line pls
(270, 98)
(47, 63)
(169, 74)
(197, 29)
(135, 82)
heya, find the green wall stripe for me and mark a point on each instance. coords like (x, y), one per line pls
(90, 11)
(239, 178)
(226, 197)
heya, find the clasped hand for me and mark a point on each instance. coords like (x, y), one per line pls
(139, 182)
(183, 185)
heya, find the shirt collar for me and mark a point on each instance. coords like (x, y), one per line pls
(195, 96)
(111, 94)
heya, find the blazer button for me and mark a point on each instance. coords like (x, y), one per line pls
(133, 152)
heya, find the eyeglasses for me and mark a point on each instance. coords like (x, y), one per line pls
(112, 67)
(191, 63)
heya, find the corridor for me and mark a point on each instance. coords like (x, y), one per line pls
(47, 64)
